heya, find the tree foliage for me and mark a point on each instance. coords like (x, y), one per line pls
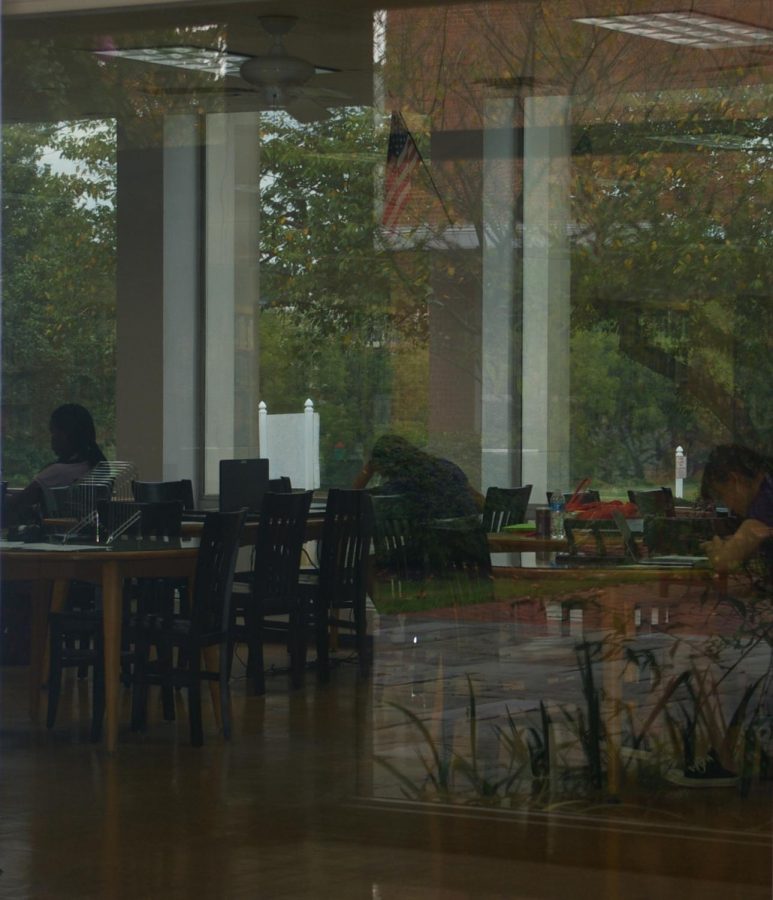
(59, 284)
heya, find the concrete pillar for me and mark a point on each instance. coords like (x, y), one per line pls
(499, 152)
(182, 297)
(158, 277)
(546, 289)
(231, 304)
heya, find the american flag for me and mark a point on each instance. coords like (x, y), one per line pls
(402, 158)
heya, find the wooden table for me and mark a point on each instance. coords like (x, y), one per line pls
(517, 542)
(51, 570)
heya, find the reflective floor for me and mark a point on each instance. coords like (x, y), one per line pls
(430, 780)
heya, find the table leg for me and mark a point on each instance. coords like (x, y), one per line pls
(212, 664)
(41, 603)
(617, 622)
(112, 600)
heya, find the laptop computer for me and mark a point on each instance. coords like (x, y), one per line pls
(634, 555)
(243, 482)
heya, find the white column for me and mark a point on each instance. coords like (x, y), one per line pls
(182, 293)
(231, 427)
(158, 294)
(546, 307)
(498, 293)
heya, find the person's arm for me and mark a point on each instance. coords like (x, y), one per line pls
(363, 476)
(477, 498)
(726, 554)
(18, 502)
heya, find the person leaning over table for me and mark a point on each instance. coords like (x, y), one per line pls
(436, 488)
(74, 443)
(740, 479)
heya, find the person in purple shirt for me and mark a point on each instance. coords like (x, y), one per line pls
(74, 443)
(740, 479)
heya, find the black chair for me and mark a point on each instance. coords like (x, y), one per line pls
(164, 492)
(75, 633)
(459, 558)
(397, 538)
(281, 485)
(75, 640)
(206, 627)
(659, 502)
(341, 581)
(666, 535)
(505, 506)
(584, 536)
(273, 585)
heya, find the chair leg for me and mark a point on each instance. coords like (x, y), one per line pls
(297, 640)
(165, 651)
(225, 694)
(140, 687)
(323, 638)
(54, 674)
(361, 630)
(194, 697)
(258, 677)
(98, 701)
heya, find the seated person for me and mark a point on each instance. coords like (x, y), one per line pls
(740, 479)
(74, 443)
(435, 488)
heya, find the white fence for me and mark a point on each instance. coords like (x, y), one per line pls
(290, 443)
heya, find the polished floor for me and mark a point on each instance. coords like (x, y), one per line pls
(328, 791)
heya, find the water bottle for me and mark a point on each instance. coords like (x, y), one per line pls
(557, 515)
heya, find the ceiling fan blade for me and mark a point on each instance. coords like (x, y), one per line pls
(305, 110)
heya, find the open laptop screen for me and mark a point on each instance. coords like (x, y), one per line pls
(243, 482)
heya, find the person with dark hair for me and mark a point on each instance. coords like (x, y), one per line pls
(74, 443)
(740, 479)
(436, 488)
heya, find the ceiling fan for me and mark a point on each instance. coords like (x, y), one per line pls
(280, 78)
(283, 78)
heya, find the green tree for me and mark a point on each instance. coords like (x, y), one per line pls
(59, 284)
(336, 306)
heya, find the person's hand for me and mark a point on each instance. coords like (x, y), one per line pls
(364, 475)
(714, 551)
(728, 554)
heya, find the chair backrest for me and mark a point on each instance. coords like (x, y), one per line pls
(396, 535)
(346, 536)
(278, 544)
(459, 557)
(281, 485)
(667, 535)
(215, 563)
(56, 501)
(505, 506)
(164, 492)
(659, 502)
(590, 535)
(459, 544)
(243, 482)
